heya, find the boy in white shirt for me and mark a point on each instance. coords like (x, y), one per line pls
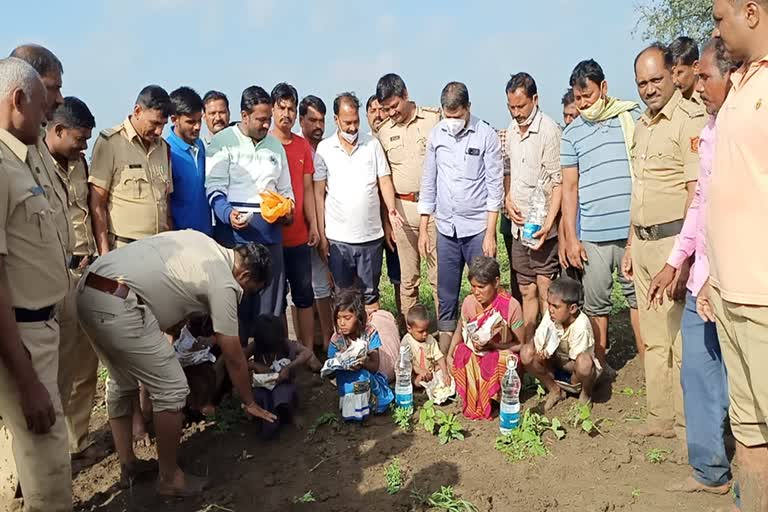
(563, 346)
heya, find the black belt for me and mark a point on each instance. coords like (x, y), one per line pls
(74, 264)
(659, 231)
(124, 240)
(25, 316)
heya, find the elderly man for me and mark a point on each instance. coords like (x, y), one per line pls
(705, 388)
(126, 300)
(533, 148)
(462, 189)
(33, 280)
(242, 162)
(737, 203)
(351, 172)
(216, 113)
(665, 166)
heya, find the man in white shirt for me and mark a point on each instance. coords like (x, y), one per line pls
(350, 171)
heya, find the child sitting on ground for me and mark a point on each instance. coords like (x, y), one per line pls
(274, 359)
(430, 370)
(562, 354)
(192, 344)
(353, 356)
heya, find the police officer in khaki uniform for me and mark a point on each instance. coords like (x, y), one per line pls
(404, 139)
(33, 279)
(665, 167)
(67, 137)
(130, 175)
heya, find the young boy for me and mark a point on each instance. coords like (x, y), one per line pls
(427, 359)
(563, 344)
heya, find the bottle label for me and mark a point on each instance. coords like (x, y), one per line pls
(530, 229)
(509, 416)
(404, 400)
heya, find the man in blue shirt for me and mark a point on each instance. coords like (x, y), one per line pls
(189, 206)
(462, 187)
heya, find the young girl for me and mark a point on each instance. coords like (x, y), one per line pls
(361, 387)
(274, 360)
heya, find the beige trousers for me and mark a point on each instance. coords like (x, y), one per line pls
(407, 240)
(78, 366)
(661, 333)
(42, 462)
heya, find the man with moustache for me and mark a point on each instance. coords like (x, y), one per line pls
(216, 108)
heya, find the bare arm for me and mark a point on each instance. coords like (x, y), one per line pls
(372, 361)
(97, 202)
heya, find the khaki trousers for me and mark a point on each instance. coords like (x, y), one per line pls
(661, 333)
(407, 240)
(78, 366)
(42, 462)
(743, 334)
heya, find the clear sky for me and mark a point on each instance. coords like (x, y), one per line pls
(112, 48)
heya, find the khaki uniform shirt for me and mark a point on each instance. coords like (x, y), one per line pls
(178, 273)
(139, 181)
(406, 147)
(664, 159)
(35, 259)
(75, 179)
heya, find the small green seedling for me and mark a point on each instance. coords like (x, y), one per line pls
(580, 415)
(540, 391)
(448, 426)
(444, 499)
(103, 374)
(657, 455)
(635, 492)
(394, 477)
(556, 428)
(427, 417)
(328, 418)
(525, 442)
(402, 417)
(308, 497)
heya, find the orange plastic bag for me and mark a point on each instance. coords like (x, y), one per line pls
(274, 206)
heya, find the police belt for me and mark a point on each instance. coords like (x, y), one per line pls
(412, 197)
(109, 286)
(123, 239)
(25, 316)
(659, 231)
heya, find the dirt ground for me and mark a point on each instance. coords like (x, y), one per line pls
(344, 467)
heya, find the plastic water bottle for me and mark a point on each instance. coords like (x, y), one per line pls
(537, 215)
(403, 382)
(509, 413)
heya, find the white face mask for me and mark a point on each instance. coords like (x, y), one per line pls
(454, 126)
(349, 137)
(528, 121)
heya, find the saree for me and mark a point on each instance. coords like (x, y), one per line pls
(478, 376)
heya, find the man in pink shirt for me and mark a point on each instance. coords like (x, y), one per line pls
(703, 376)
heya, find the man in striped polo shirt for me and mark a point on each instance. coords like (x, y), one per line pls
(597, 184)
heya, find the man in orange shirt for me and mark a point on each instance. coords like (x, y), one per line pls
(738, 299)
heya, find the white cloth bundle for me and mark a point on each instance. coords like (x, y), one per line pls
(269, 380)
(356, 351)
(484, 334)
(436, 390)
(189, 351)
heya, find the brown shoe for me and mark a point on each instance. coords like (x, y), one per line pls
(654, 430)
(136, 471)
(691, 485)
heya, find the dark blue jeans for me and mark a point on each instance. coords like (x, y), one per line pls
(705, 394)
(267, 301)
(357, 264)
(452, 254)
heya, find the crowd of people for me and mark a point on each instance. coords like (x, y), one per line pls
(173, 261)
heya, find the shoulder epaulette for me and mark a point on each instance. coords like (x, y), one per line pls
(692, 109)
(432, 110)
(109, 132)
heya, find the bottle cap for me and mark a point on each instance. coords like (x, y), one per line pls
(512, 362)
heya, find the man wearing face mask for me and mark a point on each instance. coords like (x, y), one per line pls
(242, 162)
(351, 173)
(533, 147)
(597, 186)
(665, 166)
(462, 188)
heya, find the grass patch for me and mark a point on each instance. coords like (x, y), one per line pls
(444, 499)
(657, 455)
(394, 477)
(307, 497)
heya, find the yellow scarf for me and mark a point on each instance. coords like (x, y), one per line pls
(608, 108)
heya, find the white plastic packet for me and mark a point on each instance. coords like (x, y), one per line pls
(189, 351)
(357, 350)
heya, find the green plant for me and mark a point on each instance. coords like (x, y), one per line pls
(402, 417)
(635, 492)
(628, 391)
(580, 415)
(525, 442)
(328, 418)
(657, 455)
(394, 477)
(308, 497)
(228, 415)
(103, 374)
(540, 392)
(448, 425)
(444, 499)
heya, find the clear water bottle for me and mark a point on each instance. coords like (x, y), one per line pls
(509, 413)
(537, 215)
(403, 382)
